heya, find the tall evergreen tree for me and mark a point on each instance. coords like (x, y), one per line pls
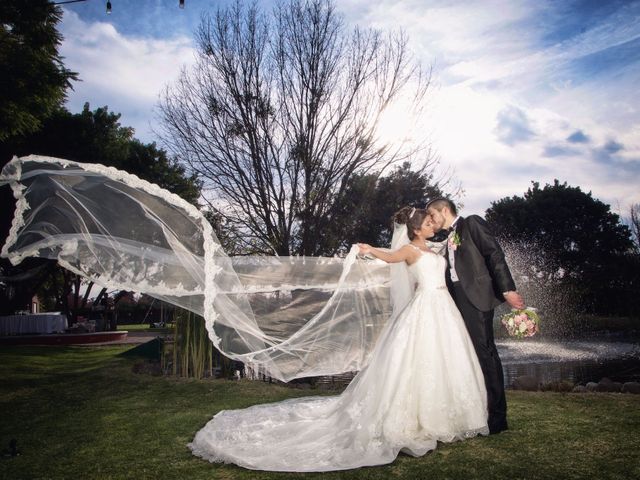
(33, 78)
(366, 208)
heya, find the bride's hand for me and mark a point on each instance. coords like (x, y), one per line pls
(364, 248)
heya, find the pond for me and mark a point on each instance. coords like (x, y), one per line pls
(579, 360)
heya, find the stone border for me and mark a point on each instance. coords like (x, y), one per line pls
(532, 384)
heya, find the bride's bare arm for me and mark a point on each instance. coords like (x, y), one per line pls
(404, 254)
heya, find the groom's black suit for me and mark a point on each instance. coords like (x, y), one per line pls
(483, 277)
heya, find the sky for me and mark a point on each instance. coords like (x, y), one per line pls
(522, 90)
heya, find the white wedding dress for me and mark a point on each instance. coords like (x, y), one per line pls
(423, 384)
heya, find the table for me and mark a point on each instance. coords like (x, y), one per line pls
(34, 323)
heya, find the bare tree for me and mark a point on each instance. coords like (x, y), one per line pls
(634, 212)
(281, 109)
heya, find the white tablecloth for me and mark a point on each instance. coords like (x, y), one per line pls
(36, 323)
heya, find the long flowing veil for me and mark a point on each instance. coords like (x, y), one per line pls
(293, 316)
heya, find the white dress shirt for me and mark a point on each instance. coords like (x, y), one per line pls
(450, 252)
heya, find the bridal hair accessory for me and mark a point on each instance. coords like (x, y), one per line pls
(413, 210)
(521, 323)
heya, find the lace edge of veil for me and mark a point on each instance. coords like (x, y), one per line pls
(11, 177)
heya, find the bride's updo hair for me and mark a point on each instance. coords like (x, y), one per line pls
(412, 218)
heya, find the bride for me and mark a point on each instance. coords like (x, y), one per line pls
(423, 384)
(419, 380)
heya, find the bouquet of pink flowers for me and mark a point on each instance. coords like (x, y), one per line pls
(521, 323)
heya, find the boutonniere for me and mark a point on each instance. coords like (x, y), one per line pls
(454, 241)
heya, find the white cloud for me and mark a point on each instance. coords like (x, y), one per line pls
(511, 71)
(124, 72)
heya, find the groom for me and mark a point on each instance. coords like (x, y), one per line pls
(479, 280)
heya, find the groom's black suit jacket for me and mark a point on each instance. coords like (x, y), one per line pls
(480, 264)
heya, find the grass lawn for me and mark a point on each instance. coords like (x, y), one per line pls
(81, 413)
(134, 327)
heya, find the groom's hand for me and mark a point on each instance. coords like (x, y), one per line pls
(514, 300)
